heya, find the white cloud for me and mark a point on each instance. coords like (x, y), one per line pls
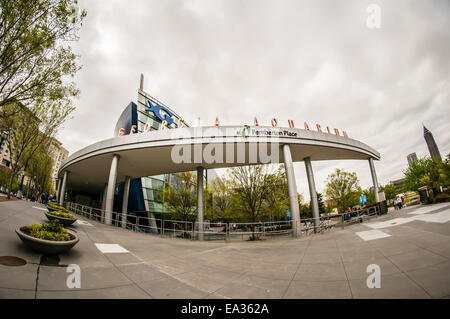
(313, 61)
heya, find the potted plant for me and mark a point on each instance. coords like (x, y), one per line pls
(64, 218)
(51, 238)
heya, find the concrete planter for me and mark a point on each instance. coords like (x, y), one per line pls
(62, 220)
(47, 246)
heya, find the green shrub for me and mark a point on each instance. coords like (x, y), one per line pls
(56, 206)
(439, 198)
(51, 231)
(60, 214)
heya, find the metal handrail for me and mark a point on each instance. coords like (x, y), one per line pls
(191, 230)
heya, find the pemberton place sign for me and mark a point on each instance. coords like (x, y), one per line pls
(165, 117)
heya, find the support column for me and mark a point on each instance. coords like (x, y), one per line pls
(292, 189)
(103, 203)
(62, 195)
(200, 202)
(58, 190)
(110, 192)
(126, 192)
(374, 179)
(313, 194)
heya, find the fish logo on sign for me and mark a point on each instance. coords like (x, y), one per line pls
(156, 109)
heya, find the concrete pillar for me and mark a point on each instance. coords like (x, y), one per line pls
(292, 189)
(103, 203)
(374, 179)
(313, 194)
(126, 192)
(103, 196)
(111, 187)
(200, 202)
(58, 189)
(62, 195)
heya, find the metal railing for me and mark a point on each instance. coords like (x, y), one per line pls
(226, 231)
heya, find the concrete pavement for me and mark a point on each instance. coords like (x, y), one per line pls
(412, 252)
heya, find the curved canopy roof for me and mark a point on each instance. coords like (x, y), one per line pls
(160, 152)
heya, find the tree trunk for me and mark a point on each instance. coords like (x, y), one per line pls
(10, 185)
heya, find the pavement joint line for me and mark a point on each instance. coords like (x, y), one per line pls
(37, 281)
(158, 269)
(415, 244)
(421, 268)
(89, 289)
(131, 264)
(424, 248)
(416, 235)
(21, 289)
(298, 267)
(206, 251)
(403, 272)
(345, 271)
(233, 280)
(118, 269)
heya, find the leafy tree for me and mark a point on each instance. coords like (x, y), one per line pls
(221, 201)
(390, 191)
(322, 208)
(180, 197)
(5, 177)
(265, 186)
(343, 187)
(369, 194)
(40, 166)
(31, 128)
(306, 211)
(35, 58)
(36, 63)
(5, 173)
(276, 202)
(250, 186)
(431, 172)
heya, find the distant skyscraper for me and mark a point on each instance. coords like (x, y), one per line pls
(432, 147)
(411, 158)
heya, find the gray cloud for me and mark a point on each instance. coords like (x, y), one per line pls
(313, 61)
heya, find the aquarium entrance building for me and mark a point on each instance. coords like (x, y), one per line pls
(151, 144)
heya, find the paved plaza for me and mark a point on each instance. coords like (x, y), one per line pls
(411, 247)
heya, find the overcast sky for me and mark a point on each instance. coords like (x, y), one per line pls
(313, 61)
